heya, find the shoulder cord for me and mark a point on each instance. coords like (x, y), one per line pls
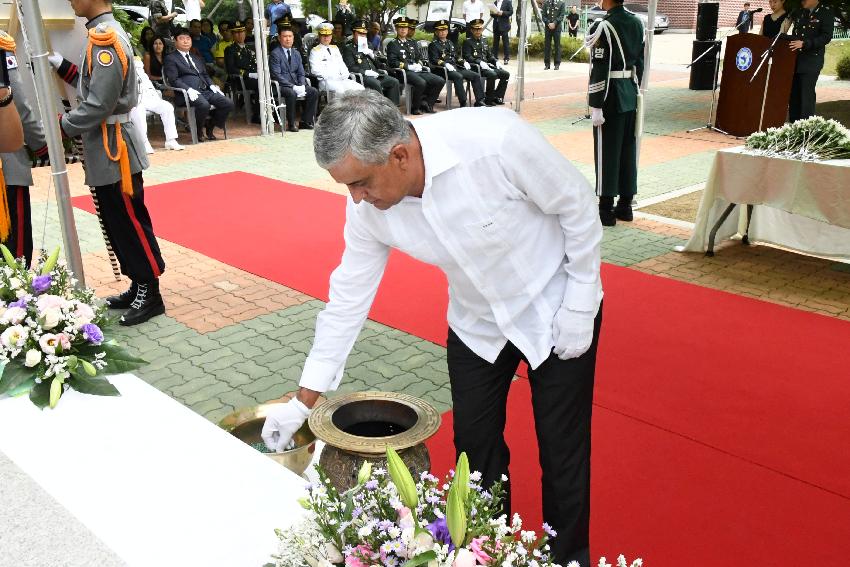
(7, 43)
(606, 28)
(109, 38)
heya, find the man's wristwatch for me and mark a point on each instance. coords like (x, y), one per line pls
(6, 99)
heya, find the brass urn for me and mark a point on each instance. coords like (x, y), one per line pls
(360, 426)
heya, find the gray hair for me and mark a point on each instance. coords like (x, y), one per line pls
(363, 123)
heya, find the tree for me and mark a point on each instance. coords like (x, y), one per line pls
(382, 11)
(840, 7)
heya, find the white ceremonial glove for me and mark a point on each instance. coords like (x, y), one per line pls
(300, 90)
(193, 94)
(572, 332)
(55, 59)
(371, 73)
(466, 65)
(216, 89)
(498, 65)
(596, 116)
(450, 67)
(252, 75)
(484, 65)
(282, 421)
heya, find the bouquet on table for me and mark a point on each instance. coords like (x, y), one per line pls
(387, 519)
(51, 334)
(809, 139)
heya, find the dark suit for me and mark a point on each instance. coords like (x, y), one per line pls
(814, 28)
(289, 74)
(744, 23)
(501, 28)
(181, 74)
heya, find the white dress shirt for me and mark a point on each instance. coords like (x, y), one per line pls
(326, 61)
(473, 10)
(510, 221)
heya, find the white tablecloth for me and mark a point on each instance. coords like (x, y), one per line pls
(158, 484)
(803, 206)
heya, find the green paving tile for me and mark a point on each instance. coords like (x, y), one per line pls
(625, 246)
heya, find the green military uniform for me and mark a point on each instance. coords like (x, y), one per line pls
(242, 61)
(362, 61)
(442, 52)
(552, 12)
(614, 89)
(425, 85)
(158, 9)
(814, 27)
(477, 51)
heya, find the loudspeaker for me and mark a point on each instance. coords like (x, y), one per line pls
(707, 14)
(702, 72)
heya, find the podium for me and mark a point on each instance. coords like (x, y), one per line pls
(741, 103)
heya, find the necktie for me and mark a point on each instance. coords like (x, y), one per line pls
(190, 62)
(289, 57)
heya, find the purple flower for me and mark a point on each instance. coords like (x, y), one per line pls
(92, 333)
(371, 484)
(440, 532)
(22, 303)
(40, 284)
(549, 531)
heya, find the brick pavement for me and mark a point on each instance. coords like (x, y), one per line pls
(232, 339)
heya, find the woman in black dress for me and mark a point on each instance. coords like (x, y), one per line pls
(776, 22)
(154, 58)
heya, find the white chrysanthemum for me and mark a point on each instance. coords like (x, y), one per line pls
(14, 337)
(13, 316)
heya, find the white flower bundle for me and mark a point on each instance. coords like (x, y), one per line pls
(810, 139)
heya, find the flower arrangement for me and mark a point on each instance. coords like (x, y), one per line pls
(810, 139)
(51, 334)
(387, 519)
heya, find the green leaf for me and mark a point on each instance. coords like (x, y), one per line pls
(88, 367)
(95, 386)
(40, 394)
(7, 255)
(51, 262)
(402, 479)
(55, 391)
(421, 559)
(118, 360)
(462, 477)
(14, 374)
(456, 516)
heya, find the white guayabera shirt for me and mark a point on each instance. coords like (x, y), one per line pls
(510, 221)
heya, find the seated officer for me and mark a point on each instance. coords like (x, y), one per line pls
(359, 58)
(326, 61)
(477, 51)
(442, 55)
(287, 69)
(403, 54)
(240, 60)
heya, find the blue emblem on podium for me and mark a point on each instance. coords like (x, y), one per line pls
(744, 59)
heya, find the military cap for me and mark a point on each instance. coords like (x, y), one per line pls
(441, 25)
(284, 23)
(400, 22)
(475, 24)
(359, 26)
(237, 28)
(412, 23)
(325, 28)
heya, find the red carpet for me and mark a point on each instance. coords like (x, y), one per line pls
(721, 422)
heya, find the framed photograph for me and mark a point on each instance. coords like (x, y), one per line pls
(439, 10)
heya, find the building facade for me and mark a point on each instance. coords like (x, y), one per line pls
(683, 13)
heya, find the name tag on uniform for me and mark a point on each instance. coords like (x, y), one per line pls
(11, 61)
(599, 53)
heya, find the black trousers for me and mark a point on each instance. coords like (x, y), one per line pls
(803, 97)
(615, 154)
(425, 86)
(501, 36)
(573, 32)
(562, 399)
(19, 242)
(311, 103)
(386, 85)
(490, 76)
(458, 80)
(223, 107)
(549, 37)
(128, 225)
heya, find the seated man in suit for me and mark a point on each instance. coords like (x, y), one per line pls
(326, 61)
(287, 69)
(185, 70)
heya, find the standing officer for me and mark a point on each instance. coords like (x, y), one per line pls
(16, 172)
(161, 19)
(477, 52)
(812, 31)
(359, 58)
(553, 17)
(613, 99)
(442, 55)
(403, 54)
(115, 157)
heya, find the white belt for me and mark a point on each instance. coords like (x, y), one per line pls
(621, 74)
(118, 118)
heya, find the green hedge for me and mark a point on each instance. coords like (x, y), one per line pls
(535, 45)
(842, 68)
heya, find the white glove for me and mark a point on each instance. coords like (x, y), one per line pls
(596, 116)
(419, 67)
(193, 94)
(252, 75)
(572, 332)
(216, 89)
(484, 65)
(466, 65)
(450, 67)
(300, 90)
(55, 59)
(371, 73)
(282, 421)
(498, 65)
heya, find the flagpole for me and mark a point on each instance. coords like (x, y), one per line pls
(523, 36)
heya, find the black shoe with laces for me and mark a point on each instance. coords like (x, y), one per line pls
(623, 211)
(122, 300)
(147, 303)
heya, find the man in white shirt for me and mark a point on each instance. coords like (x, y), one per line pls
(473, 10)
(326, 61)
(481, 194)
(193, 9)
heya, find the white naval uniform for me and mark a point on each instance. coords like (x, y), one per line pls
(326, 61)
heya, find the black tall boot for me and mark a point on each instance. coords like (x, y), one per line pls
(122, 300)
(147, 303)
(606, 211)
(623, 210)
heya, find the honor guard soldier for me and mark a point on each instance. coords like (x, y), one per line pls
(326, 62)
(553, 12)
(403, 54)
(359, 58)
(613, 96)
(16, 171)
(812, 31)
(115, 157)
(442, 54)
(477, 52)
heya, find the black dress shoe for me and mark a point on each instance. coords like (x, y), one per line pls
(416, 112)
(557, 67)
(489, 102)
(478, 103)
(623, 211)
(122, 300)
(292, 129)
(430, 109)
(607, 217)
(500, 101)
(305, 125)
(147, 303)
(210, 135)
(546, 68)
